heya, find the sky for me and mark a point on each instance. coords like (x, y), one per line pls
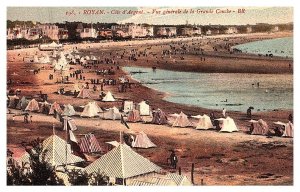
(252, 15)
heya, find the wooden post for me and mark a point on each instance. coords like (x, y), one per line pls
(202, 181)
(192, 173)
(179, 169)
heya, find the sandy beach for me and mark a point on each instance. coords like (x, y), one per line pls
(220, 158)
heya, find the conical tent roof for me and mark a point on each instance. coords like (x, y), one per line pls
(134, 116)
(89, 144)
(62, 63)
(288, 130)
(122, 162)
(13, 101)
(69, 110)
(159, 117)
(108, 97)
(91, 110)
(33, 105)
(22, 103)
(84, 93)
(55, 107)
(112, 113)
(142, 141)
(182, 121)
(144, 108)
(204, 122)
(260, 127)
(56, 152)
(228, 125)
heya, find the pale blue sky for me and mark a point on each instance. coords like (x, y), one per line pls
(252, 15)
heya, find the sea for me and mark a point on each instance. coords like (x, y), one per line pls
(282, 47)
(232, 91)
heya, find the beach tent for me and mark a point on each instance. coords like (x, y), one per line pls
(180, 180)
(159, 117)
(45, 59)
(134, 116)
(89, 144)
(44, 107)
(55, 107)
(93, 58)
(144, 108)
(33, 105)
(84, 93)
(122, 162)
(204, 122)
(142, 141)
(69, 123)
(91, 110)
(259, 127)
(68, 110)
(13, 101)
(288, 128)
(227, 125)
(128, 106)
(112, 113)
(62, 63)
(182, 121)
(35, 59)
(108, 97)
(87, 57)
(22, 104)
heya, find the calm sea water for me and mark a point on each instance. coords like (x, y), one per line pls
(210, 90)
(282, 47)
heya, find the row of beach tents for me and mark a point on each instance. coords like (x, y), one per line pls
(136, 113)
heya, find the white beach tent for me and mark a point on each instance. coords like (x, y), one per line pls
(288, 128)
(227, 125)
(182, 121)
(142, 141)
(128, 106)
(204, 122)
(62, 63)
(91, 110)
(35, 59)
(68, 110)
(112, 113)
(108, 97)
(144, 108)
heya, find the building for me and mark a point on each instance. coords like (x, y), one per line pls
(166, 31)
(63, 33)
(190, 31)
(231, 30)
(249, 29)
(275, 29)
(132, 30)
(49, 30)
(105, 33)
(89, 33)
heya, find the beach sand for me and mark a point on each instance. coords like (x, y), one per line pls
(220, 158)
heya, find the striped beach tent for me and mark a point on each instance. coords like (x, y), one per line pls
(182, 121)
(134, 116)
(55, 107)
(89, 144)
(33, 105)
(84, 93)
(259, 127)
(122, 162)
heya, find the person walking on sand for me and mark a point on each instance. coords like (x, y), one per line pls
(224, 112)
